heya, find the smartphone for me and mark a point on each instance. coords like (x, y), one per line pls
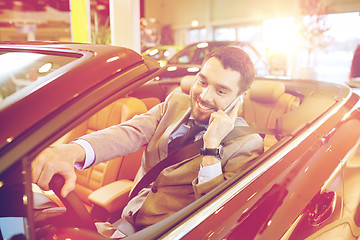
(232, 104)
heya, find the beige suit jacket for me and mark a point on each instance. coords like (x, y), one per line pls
(177, 185)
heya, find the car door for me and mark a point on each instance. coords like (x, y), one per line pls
(270, 204)
(323, 211)
(350, 175)
(295, 192)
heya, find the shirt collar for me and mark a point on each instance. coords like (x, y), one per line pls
(197, 123)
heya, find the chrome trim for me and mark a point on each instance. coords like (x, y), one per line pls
(189, 224)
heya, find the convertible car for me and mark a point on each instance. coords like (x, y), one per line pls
(304, 185)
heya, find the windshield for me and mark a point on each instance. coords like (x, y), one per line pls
(20, 69)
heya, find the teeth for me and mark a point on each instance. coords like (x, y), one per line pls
(204, 107)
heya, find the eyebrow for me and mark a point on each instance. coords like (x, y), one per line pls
(216, 85)
(202, 76)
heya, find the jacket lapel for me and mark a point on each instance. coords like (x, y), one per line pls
(163, 141)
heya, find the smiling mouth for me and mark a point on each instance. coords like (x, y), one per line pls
(203, 107)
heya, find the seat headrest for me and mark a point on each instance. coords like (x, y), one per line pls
(266, 91)
(117, 112)
(186, 83)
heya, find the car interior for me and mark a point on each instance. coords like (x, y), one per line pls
(104, 189)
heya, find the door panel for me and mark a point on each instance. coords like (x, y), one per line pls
(268, 207)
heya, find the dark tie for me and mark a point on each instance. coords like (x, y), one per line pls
(186, 139)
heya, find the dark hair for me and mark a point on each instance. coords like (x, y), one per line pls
(236, 59)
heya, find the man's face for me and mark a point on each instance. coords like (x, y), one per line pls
(214, 88)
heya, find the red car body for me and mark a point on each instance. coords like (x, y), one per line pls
(304, 186)
(305, 191)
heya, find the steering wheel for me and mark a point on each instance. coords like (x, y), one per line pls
(74, 206)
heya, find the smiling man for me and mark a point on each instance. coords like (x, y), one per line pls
(212, 105)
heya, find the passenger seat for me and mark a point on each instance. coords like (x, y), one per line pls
(264, 103)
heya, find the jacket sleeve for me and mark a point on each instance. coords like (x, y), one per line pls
(124, 138)
(238, 154)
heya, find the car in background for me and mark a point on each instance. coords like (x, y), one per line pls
(188, 61)
(162, 53)
(305, 184)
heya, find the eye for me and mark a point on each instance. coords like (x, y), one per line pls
(202, 82)
(221, 91)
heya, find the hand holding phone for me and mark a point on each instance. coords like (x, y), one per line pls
(221, 123)
(233, 103)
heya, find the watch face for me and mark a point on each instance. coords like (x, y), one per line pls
(217, 152)
(221, 152)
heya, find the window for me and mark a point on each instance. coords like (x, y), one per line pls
(197, 35)
(225, 34)
(278, 42)
(20, 69)
(333, 62)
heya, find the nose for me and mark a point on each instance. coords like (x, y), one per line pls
(206, 94)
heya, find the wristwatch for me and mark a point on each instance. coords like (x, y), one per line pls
(217, 152)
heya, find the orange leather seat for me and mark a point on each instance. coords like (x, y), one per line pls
(150, 102)
(102, 174)
(264, 103)
(108, 201)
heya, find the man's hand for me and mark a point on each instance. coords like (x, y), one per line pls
(60, 159)
(220, 124)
